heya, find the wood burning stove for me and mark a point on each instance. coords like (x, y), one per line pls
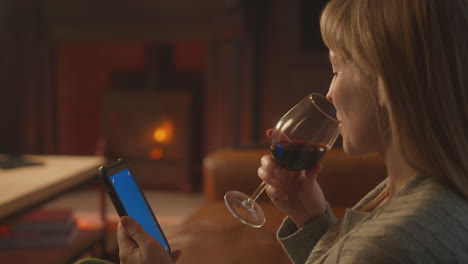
(152, 131)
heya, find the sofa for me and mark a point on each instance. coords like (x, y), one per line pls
(212, 235)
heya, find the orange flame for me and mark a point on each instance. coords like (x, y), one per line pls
(156, 153)
(164, 133)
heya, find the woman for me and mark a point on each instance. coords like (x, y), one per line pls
(401, 89)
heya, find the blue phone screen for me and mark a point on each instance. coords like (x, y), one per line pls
(135, 205)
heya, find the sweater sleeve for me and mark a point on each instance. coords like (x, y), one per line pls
(298, 243)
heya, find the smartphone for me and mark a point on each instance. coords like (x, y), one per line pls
(129, 200)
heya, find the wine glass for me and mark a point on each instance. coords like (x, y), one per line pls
(299, 140)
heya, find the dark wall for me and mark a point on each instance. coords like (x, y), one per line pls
(10, 89)
(295, 63)
(27, 97)
(309, 25)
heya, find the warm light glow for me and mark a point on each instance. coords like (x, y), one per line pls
(160, 135)
(156, 153)
(4, 229)
(164, 132)
(87, 224)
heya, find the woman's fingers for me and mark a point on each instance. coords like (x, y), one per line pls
(276, 135)
(314, 171)
(269, 171)
(276, 193)
(269, 132)
(271, 166)
(266, 177)
(274, 187)
(267, 162)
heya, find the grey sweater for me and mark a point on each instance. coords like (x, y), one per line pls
(425, 222)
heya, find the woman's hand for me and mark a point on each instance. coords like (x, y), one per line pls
(136, 246)
(297, 193)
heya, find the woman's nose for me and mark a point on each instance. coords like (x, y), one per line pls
(329, 93)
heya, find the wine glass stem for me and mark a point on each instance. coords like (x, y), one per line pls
(256, 194)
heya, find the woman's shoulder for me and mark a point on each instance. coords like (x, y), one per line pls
(426, 200)
(426, 216)
(426, 222)
(426, 196)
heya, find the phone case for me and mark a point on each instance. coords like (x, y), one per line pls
(104, 175)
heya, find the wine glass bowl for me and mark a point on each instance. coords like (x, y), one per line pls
(305, 133)
(297, 155)
(300, 139)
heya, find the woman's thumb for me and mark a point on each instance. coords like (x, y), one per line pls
(134, 230)
(269, 132)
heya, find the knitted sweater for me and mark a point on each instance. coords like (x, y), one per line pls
(425, 222)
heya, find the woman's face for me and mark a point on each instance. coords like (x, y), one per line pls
(355, 109)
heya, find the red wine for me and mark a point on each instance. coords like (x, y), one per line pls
(298, 155)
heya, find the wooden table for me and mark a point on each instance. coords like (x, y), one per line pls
(23, 189)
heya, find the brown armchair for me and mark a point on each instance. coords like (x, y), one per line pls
(344, 179)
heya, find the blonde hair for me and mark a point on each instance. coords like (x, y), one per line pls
(417, 49)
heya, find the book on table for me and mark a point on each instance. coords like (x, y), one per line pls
(39, 229)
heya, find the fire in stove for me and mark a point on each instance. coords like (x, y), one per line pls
(163, 135)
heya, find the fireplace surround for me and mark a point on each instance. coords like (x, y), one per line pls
(153, 132)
